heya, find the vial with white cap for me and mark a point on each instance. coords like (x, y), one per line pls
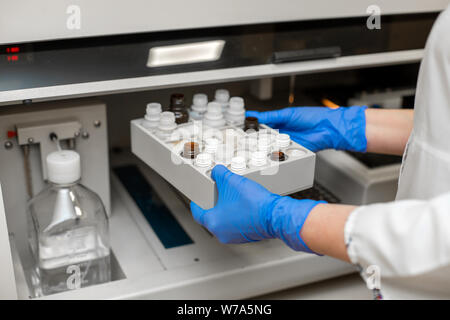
(166, 125)
(213, 116)
(222, 96)
(235, 114)
(283, 141)
(264, 143)
(152, 116)
(204, 160)
(211, 145)
(199, 106)
(68, 230)
(224, 154)
(249, 143)
(238, 164)
(258, 159)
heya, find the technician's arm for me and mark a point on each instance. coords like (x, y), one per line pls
(346, 128)
(387, 131)
(404, 239)
(247, 212)
(323, 230)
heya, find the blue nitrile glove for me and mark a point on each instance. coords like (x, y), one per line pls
(319, 128)
(247, 212)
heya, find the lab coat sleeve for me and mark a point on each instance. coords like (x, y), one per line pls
(408, 241)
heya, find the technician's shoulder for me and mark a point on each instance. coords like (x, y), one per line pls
(439, 39)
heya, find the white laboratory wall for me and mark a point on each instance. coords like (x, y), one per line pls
(27, 21)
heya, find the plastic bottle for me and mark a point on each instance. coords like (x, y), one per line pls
(213, 116)
(199, 106)
(178, 107)
(222, 96)
(68, 231)
(152, 116)
(235, 113)
(166, 125)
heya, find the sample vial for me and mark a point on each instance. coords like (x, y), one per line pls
(238, 165)
(211, 145)
(231, 138)
(203, 160)
(235, 113)
(264, 143)
(199, 106)
(178, 107)
(258, 159)
(191, 150)
(277, 156)
(243, 153)
(166, 125)
(251, 123)
(222, 96)
(152, 116)
(295, 152)
(249, 143)
(283, 140)
(213, 116)
(224, 154)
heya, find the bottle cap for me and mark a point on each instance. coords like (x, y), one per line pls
(222, 95)
(251, 123)
(213, 116)
(63, 167)
(236, 104)
(200, 99)
(258, 158)
(153, 111)
(214, 111)
(237, 164)
(203, 160)
(211, 145)
(177, 99)
(167, 121)
(236, 111)
(283, 140)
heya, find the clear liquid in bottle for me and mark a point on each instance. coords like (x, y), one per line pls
(69, 232)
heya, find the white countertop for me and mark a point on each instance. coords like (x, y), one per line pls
(349, 287)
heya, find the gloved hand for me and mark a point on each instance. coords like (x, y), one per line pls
(247, 212)
(319, 128)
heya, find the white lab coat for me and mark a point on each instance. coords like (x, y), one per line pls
(409, 239)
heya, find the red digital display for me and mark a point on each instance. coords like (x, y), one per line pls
(16, 54)
(12, 50)
(12, 53)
